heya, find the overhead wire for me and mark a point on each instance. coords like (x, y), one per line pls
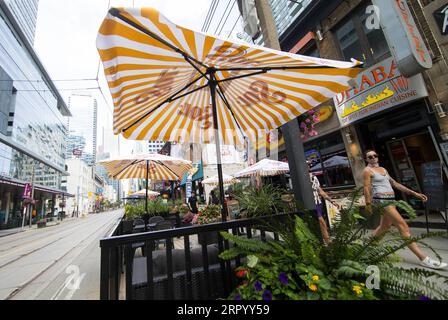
(228, 4)
(207, 15)
(212, 14)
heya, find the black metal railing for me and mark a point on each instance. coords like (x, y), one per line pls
(186, 273)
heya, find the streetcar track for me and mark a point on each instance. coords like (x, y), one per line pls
(23, 286)
(44, 234)
(71, 230)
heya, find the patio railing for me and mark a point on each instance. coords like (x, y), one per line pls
(177, 271)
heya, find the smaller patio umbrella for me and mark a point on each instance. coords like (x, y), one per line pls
(264, 168)
(332, 162)
(147, 166)
(142, 193)
(214, 181)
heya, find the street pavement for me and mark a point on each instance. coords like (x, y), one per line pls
(60, 262)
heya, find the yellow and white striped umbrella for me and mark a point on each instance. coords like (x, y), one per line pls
(160, 167)
(161, 75)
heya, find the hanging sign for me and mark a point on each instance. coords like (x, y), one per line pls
(380, 87)
(27, 191)
(188, 186)
(403, 37)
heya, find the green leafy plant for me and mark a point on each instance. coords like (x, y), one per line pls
(301, 267)
(134, 211)
(260, 201)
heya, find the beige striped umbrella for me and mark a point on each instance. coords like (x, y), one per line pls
(214, 181)
(173, 84)
(142, 193)
(147, 166)
(264, 168)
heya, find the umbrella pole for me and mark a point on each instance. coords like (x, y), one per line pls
(147, 181)
(213, 83)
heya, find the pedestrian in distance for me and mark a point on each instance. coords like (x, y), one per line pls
(379, 189)
(213, 199)
(318, 194)
(193, 203)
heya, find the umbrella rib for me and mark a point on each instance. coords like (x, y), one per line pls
(226, 102)
(169, 99)
(281, 68)
(116, 13)
(189, 92)
(243, 76)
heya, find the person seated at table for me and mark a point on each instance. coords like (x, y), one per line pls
(188, 218)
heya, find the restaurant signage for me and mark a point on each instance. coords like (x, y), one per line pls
(27, 191)
(379, 88)
(441, 16)
(403, 37)
(77, 152)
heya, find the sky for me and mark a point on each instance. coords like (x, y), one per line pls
(65, 42)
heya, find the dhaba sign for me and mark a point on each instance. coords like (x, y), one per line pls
(378, 88)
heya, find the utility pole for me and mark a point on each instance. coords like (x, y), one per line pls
(291, 131)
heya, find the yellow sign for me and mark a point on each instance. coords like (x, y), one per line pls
(89, 194)
(370, 99)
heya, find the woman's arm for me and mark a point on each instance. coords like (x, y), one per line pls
(367, 186)
(406, 190)
(324, 195)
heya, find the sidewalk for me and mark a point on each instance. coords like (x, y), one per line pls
(7, 232)
(439, 244)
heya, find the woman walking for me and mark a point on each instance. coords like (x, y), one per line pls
(378, 188)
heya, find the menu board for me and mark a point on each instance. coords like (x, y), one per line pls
(433, 185)
(233, 208)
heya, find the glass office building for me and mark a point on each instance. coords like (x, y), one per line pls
(82, 128)
(25, 13)
(32, 130)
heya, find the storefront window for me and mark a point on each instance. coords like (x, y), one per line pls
(349, 41)
(358, 40)
(329, 161)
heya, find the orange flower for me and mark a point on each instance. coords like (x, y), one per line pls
(313, 287)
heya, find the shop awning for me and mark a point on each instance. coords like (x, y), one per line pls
(199, 174)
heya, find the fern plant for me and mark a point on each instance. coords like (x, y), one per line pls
(301, 267)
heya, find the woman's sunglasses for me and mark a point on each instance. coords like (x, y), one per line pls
(374, 156)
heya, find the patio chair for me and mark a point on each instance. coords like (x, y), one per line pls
(155, 219)
(163, 225)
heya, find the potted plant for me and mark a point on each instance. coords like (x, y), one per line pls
(41, 223)
(301, 267)
(210, 214)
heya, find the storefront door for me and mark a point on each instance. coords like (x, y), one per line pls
(407, 156)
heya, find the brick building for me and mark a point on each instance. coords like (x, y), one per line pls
(404, 119)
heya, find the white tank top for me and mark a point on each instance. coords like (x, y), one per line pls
(381, 183)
